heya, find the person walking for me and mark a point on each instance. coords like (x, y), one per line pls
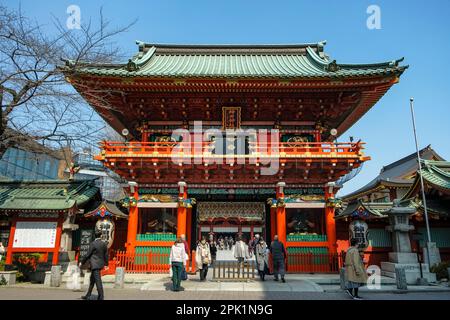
(221, 243)
(177, 260)
(98, 258)
(252, 245)
(225, 243)
(213, 250)
(278, 258)
(2, 251)
(184, 275)
(185, 243)
(240, 250)
(230, 243)
(355, 273)
(203, 258)
(262, 258)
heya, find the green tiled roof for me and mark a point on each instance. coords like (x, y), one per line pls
(436, 174)
(110, 206)
(368, 210)
(396, 174)
(45, 195)
(237, 61)
(435, 207)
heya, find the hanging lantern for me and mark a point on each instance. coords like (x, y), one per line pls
(359, 230)
(107, 228)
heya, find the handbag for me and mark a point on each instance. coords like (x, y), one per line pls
(184, 274)
(86, 266)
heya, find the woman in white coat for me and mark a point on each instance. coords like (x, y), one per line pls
(203, 258)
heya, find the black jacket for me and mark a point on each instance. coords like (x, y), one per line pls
(97, 255)
(277, 250)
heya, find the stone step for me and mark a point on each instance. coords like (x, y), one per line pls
(409, 267)
(411, 277)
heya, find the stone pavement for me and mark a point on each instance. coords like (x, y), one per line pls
(41, 293)
(261, 286)
(296, 283)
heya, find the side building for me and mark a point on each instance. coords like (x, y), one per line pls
(401, 180)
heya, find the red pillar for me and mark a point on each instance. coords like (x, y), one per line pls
(57, 242)
(281, 214)
(329, 218)
(133, 218)
(273, 222)
(182, 211)
(10, 242)
(189, 227)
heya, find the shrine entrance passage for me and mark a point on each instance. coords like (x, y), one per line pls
(225, 220)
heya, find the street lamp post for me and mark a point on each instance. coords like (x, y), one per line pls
(424, 201)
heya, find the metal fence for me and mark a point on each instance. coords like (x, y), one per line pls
(149, 262)
(313, 262)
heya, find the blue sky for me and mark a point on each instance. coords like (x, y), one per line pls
(417, 30)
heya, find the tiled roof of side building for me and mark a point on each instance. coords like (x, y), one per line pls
(399, 173)
(371, 210)
(236, 61)
(46, 195)
(436, 174)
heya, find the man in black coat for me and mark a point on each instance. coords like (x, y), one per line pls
(278, 257)
(98, 259)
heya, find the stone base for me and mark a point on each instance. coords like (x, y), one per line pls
(48, 276)
(9, 276)
(403, 257)
(71, 268)
(435, 256)
(72, 277)
(412, 271)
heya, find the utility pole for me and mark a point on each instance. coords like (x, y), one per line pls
(424, 201)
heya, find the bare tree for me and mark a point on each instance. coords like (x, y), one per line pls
(35, 100)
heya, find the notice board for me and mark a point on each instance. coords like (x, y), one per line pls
(35, 234)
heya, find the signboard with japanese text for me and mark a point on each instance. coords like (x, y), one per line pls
(35, 234)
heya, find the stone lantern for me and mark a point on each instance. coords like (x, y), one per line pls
(402, 255)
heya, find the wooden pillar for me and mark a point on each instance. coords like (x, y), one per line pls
(329, 218)
(189, 227)
(281, 214)
(57, 241)
(318, 136)
(182, 211)
(133, 219)
(11, 240)
(273, 223)
(145, 136)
